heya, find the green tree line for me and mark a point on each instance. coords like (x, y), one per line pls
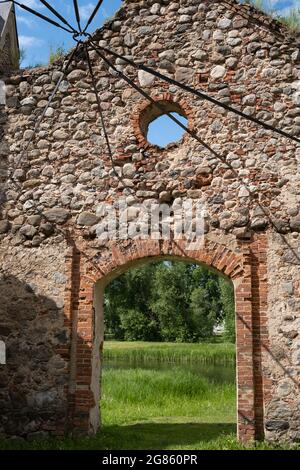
(169, 301)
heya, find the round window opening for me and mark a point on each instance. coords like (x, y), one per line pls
(157, 127)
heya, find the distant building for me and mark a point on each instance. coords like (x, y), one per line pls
(219, 329)
(9, 44)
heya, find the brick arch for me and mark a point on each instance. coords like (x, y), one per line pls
(162, 98)
(85, 362)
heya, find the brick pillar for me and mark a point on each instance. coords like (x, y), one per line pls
(260, 329)
(244, 349)
(83, 396)
(79, 321)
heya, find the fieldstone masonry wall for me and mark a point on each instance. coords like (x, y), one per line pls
(5, 57)
(51, 205)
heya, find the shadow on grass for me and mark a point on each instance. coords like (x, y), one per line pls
(141, 436)
(147, 436)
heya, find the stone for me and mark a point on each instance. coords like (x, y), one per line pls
(28, 134)
(59, 278)
(295, 224)
(29, 101)
(145, 78)
(218, 35)
(57, 215)
(277, 425)
(28, 230)
(145, 31)
(288, 288)
(218, 72)
(184, 74)
(296, 358)
(224, 23)
(249, 100)
(200, 55)
(155, 9)
(129, 40)
(184, 19)
(43, 79)
(259, 224)
(165, 196)
(47, 229)
(284, 388)
(87, 218)
(243, 192)
(296, 56)
(4, 226)
(76, 75)
(129, 170)
(60, 134)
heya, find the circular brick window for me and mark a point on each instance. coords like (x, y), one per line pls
(156, 126)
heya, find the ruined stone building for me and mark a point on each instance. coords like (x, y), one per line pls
(54, 266)
(9, 44)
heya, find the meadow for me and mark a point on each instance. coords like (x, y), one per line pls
(163, 397)
(205, 353)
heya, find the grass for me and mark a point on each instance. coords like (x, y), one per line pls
(291, 19)
(135, 395)
(205, 353)
(162, 406)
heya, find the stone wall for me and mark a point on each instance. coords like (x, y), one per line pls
(9, 45)
(54, 192)
(5, 56)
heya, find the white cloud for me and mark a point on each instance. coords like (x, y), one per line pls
(32, 3)
(26, 21)
(86, 10)
(30, 41)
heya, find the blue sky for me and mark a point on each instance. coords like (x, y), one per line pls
(163, 131)
(37, 37)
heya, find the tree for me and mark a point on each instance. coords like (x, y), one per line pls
(169, 301)
(137, 327)
(203, 314)
(129, 293)
(227, 301)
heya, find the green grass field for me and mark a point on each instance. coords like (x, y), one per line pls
(163, 405)
(208, 353)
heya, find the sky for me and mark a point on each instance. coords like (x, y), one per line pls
(37, 38)
(163, 131)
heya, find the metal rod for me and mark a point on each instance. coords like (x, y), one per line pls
(99, 105)
(201, 95)
(57, 14)
(40, 15)
(151, 100)
(93, 15)
(77, 14)
(41, 117)
(161, 108)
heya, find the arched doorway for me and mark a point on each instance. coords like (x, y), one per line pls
(84, 388)
(168, 362)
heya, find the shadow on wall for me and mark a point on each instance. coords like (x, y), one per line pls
(33, 381)
(4, 226)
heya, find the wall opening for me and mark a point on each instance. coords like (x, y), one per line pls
(163, 131)
(168, 360)
(157, 127)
